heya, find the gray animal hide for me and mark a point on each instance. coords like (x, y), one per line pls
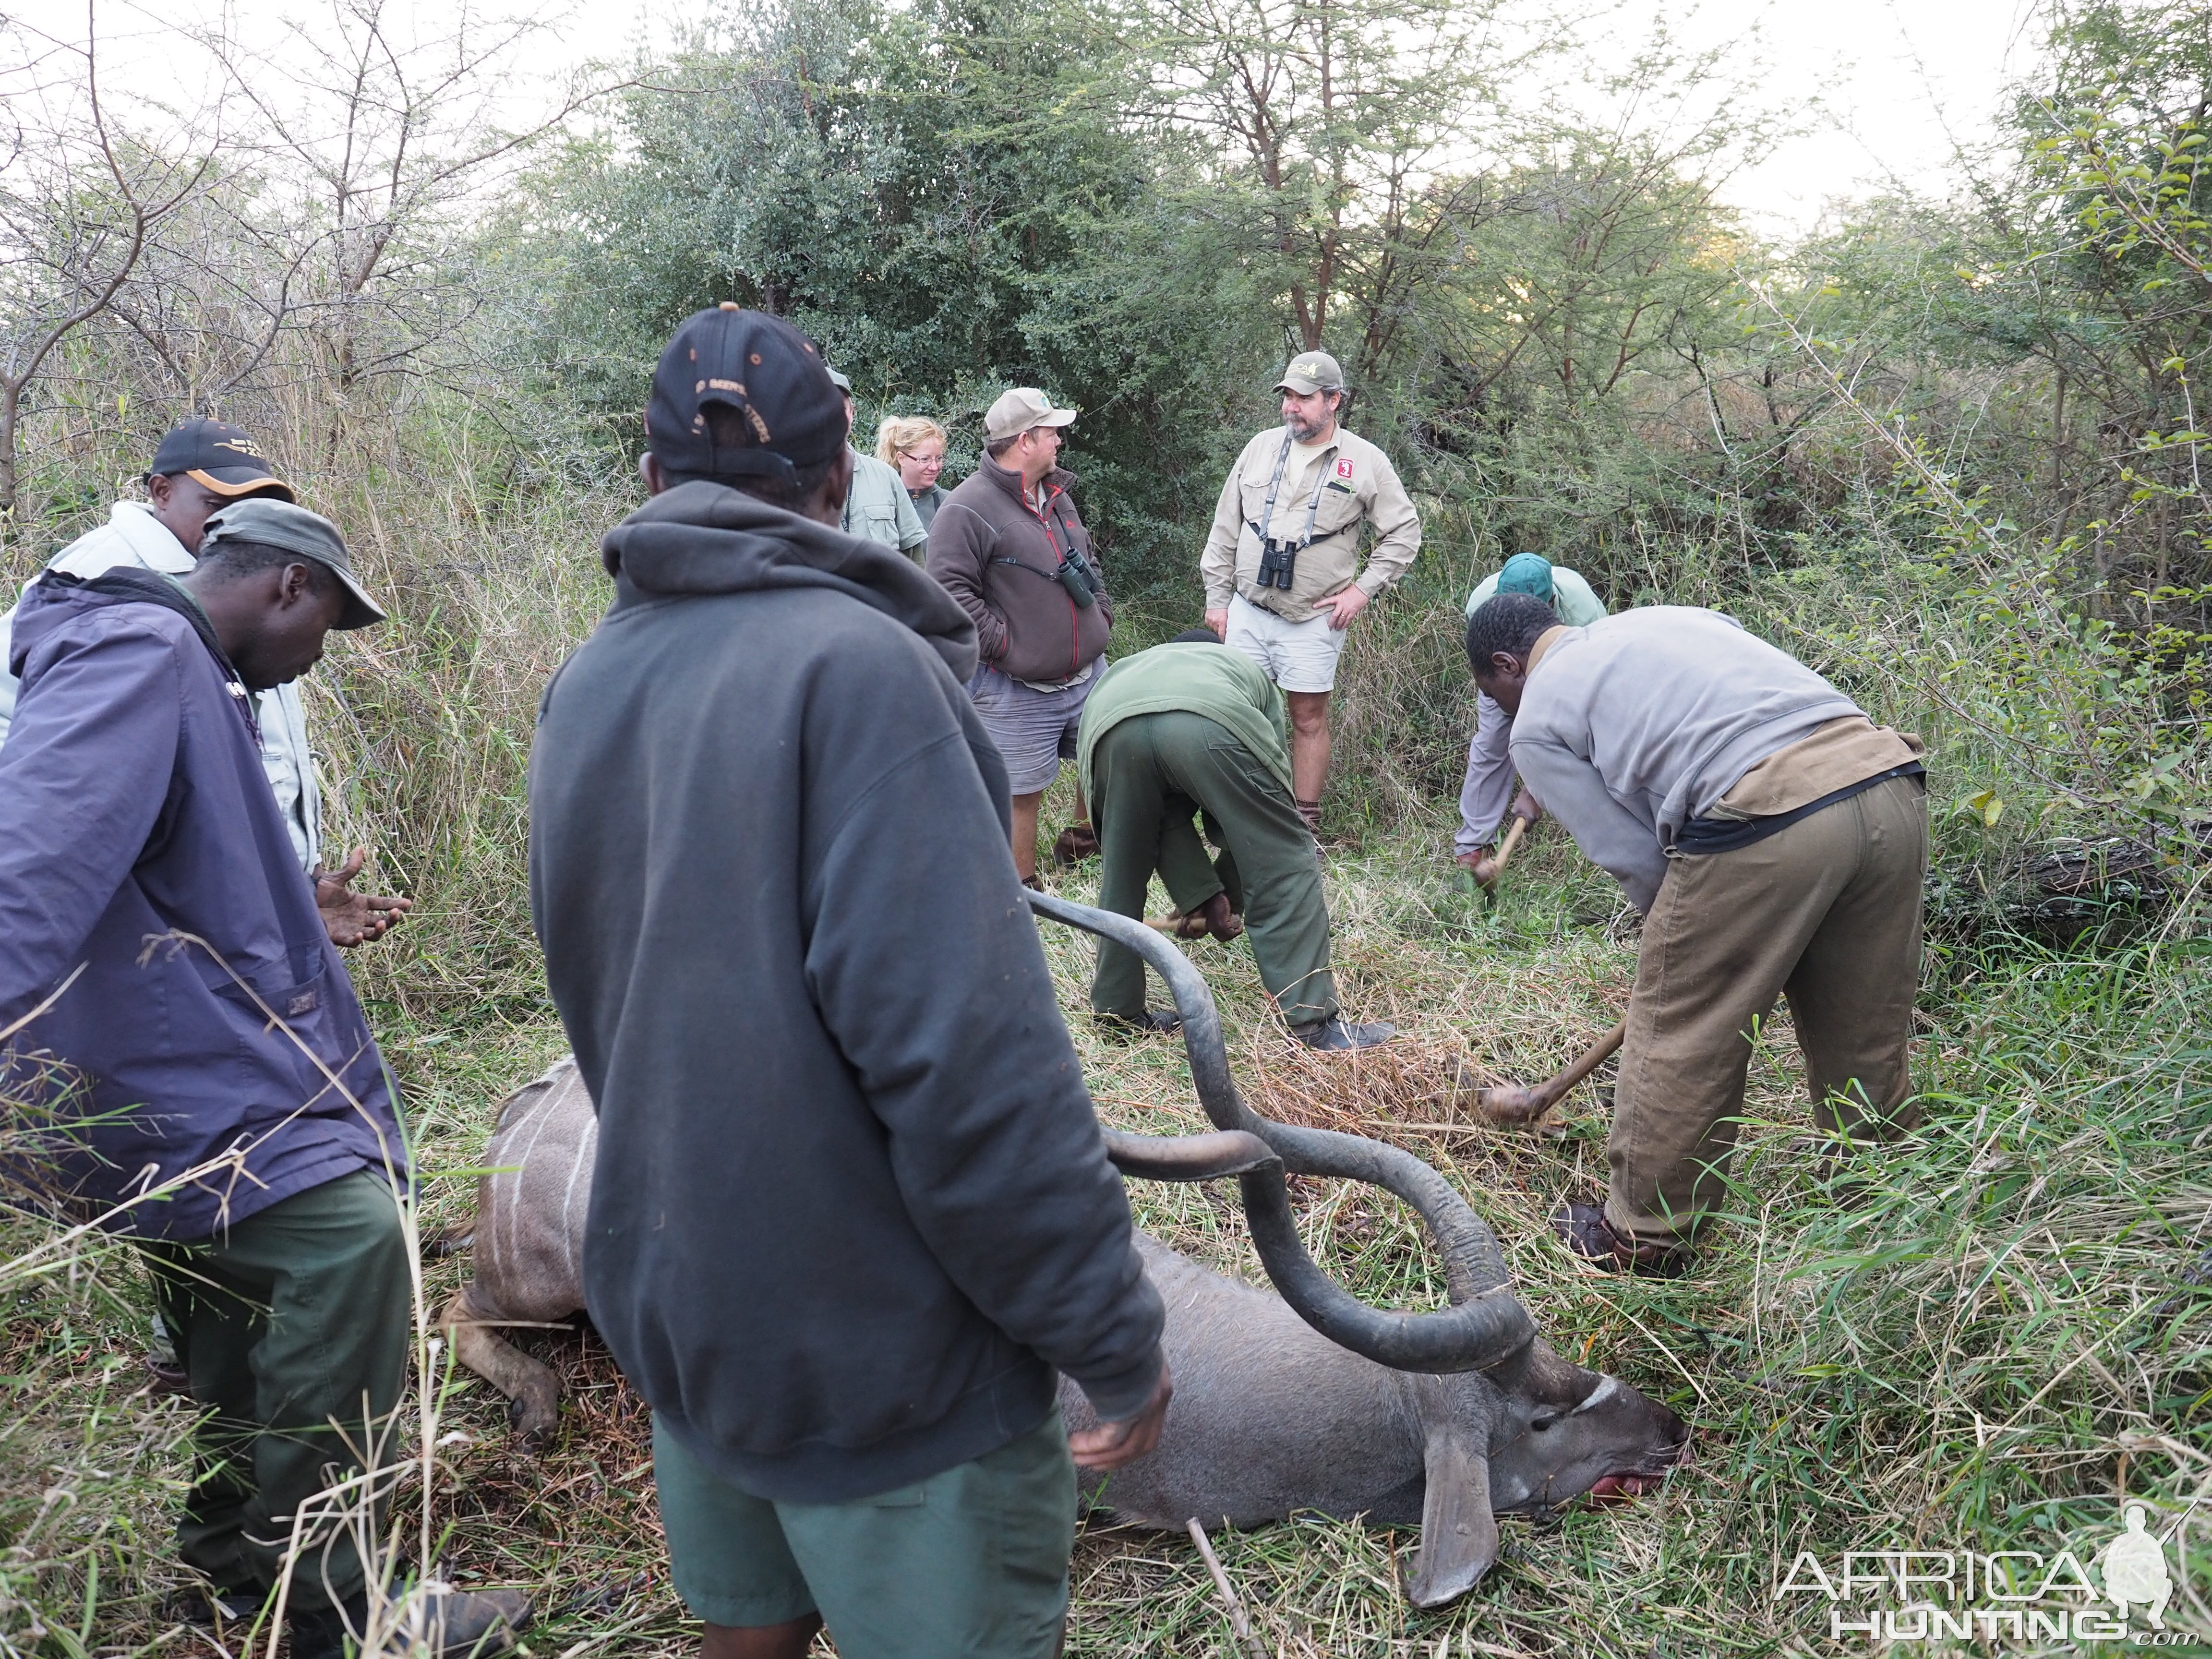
(531, 1213)
(1269, 1417)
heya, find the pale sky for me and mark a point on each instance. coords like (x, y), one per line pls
(1900, 82)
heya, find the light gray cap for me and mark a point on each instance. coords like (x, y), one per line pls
(1017, 411)
(281, 525)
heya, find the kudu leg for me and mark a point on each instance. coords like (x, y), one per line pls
(530, 1385)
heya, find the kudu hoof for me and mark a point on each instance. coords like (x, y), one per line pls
(534, 1415)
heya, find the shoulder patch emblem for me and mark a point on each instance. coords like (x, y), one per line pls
(1344, 466)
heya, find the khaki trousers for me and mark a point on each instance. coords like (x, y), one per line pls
(1827, 912)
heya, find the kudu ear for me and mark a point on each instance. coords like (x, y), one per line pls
(1459, 1535)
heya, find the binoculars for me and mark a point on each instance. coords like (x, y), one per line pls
(1082, 583)
(1279, 564)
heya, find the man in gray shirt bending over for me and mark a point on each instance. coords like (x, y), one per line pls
(1775, 838)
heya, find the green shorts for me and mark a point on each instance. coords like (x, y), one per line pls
(971, 1562)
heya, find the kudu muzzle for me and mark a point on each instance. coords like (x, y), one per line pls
(1486, 1328)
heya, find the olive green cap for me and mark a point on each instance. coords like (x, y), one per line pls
(293, 529)
(1311, 371)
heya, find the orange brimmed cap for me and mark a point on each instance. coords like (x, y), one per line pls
(219, 455)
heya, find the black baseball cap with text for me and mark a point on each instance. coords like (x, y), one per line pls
(219, 455)
(767, 371)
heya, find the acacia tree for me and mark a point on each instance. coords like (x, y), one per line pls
(2056, 324)
(82, 199)
(1342, 133)
(2115, 145)
(375, 146)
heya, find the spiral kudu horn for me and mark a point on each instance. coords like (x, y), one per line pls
(1484, 1328)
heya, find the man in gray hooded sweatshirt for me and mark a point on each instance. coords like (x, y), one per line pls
(851, 1209)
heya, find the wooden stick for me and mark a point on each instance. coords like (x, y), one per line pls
(1239, 1624)
(1600, 1052)
(1512, 839)
(1489, 885)
(1516, 1103)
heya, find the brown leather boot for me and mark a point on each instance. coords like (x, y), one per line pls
(1584, 1230)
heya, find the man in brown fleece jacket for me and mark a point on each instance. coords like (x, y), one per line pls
(1009, 545)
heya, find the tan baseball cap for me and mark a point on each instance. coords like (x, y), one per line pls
(1019, 409)
(1311, 371)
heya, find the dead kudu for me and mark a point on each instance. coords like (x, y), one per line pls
(1309, 1400)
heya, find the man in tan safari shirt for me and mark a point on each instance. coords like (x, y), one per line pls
(1281, 565)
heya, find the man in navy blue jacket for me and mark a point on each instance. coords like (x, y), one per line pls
(171, 1002)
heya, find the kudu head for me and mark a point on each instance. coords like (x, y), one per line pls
(1526, 1443)
(1510, 1424)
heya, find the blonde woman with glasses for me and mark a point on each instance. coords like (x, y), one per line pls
(914, 444)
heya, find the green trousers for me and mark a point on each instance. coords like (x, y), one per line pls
(1150, 774)
(970, 1564)
(294, 1325)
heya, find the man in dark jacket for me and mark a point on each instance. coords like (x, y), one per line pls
(170, 995)
(1009, 545)
(850, 1207)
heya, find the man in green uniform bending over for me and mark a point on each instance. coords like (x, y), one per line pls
(1189, 727)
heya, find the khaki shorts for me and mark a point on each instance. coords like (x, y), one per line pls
(972, 1561)
(1298, 656)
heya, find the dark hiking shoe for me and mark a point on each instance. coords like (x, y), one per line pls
(1333, 1035)
(207, 1607)
(1587, 1234)
(1033, 883)
(168, 1374)
(453, 1624)
(1077, 843)
(1152, 1023)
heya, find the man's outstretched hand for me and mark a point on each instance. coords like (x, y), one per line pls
(1110, 1445)
(352, 918)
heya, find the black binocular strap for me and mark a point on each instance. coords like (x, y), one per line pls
(1275, 483)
